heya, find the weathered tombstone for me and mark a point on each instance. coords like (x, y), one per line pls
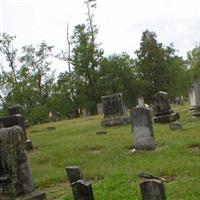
(84, 113)
(82, 190)
(14, 163)
(143, 129)
(17, 109)
(162, 109)
(114, 110)
(15, 173)
(74, 173)
(152, 189)
(16, 117)
(57, 116)
(140, 101)
(99, 109)
(194, 98)
(175, 125)
(12, 120)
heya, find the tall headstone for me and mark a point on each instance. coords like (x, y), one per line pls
(194, 98)
(99, 109)
(143, 129)
(15, 172)
(140, 101)
(114, 110)
(162, 108)
(14, 164)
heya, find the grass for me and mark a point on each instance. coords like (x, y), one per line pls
(107, 160)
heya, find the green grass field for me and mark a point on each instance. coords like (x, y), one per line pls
(108, 162)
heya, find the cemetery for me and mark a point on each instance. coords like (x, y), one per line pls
(105, 165)
(85, 116)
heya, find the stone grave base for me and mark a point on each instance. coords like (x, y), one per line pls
(195, 110)
(114, 121)
(166, 118)
(36, 195)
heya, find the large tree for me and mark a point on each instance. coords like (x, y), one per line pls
(156, 65)
(117, 74)
(86, 58)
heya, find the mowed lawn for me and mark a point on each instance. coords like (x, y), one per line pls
(107, 160)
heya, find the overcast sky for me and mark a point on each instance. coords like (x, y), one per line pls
(120, 23)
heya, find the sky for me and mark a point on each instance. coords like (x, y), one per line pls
(120, 23)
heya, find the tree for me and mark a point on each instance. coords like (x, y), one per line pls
(117, 74)
(86, 58)
(36, 71)
(193, 61)
(8, 74)
(155, 65)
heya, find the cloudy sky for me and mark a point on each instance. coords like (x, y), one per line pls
(120, 23)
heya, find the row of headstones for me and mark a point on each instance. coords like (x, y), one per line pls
(115, 112)
(151, 189)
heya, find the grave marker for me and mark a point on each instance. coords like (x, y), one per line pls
(114, 110)
(143, 129)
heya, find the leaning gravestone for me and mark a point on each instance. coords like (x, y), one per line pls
(143, 129)
(162, 109)
(114, 110)
(15, 173)
(14, 164)
(194, 98)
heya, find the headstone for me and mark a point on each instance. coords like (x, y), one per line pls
(83, 190)
(175, 125)
(14, 163)
(15, 173)
(194, 98)
(50, 115)
(17, 109)
(84, 113)
(16, 117)
(114, 110)
(152, 189)
(99, 109)
(143, 129)
(162, 109)
(140, 101)
(74, 173)
(12, 120)
(57, 116)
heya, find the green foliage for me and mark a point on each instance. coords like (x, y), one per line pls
(117, 74)
(86, 58)
(194, 63)
(158, 67)
(38, 114)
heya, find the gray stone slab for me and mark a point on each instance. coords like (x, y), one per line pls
(143, 129)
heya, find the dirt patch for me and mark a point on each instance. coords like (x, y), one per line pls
(194, 148)
(50, 128)
(168, 178)
(96, 152)
(36, 130)
(130, 147)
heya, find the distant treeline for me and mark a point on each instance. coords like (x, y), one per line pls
(28, 79)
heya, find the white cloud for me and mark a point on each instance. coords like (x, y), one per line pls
(120, 22)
